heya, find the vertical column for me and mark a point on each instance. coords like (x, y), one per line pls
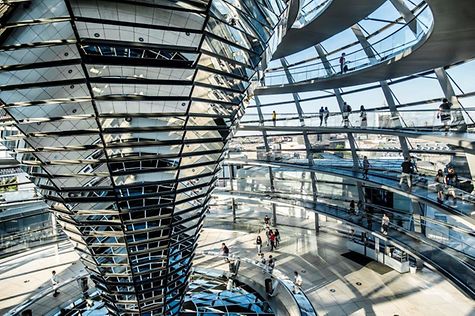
(308, 145)
(407, 15)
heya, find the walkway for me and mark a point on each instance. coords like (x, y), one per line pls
(454, 265)
(336, 17)
(337, 285)
(451, 40)
(465, 208)
(466, 141)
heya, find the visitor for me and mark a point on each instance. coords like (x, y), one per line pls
(343, 64)
(451, 179)
(259, 244)
(326, 115)
(272, 240)
(363, 117)
(407, 170)
(225, 252)
(277, 237)
(263, 259)
(439, 185)
(266, 221)
(267, 235)
(359, 207)
(366, 166)
(346, 114)
(297, 282)
(352, 207)
(274, 118)
(321, 114)
(444, 114)
(385, 224)
(270, 264)
(54, 282)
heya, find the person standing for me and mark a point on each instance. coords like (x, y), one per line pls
(352, 207)
(326, 115)
(343, 64)
(444, 114)
(451, 179)
(274, 118)
(363, 117)
(263, 259)
(366, 166)
(259, 244)
(439, 185)
(270, 264)
(346, 114)
(385, 224)
(407, 169)
(54, 282)
(298, 282)
(321, 114)
(359, 207)
(225, 252)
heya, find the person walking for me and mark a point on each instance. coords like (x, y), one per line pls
(366, 166)
(346, 114)
(272, 240)
(259, 244)
(321, 115)
(326, 115)
(274, 118)
(363, 117)
(385, 224)
(407, 170)
(270, 264)
(343, 64)
(277, 237)
(266, 220)
(298, 282)
(225, 252)
(451, 180)
(439, 185)
(54, 282)
(444, 114)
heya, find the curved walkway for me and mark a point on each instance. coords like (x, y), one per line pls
(466, 209)
(453, 265)
(450, 41)
(466, 141)
(336, 17)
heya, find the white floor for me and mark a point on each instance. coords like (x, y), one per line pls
(335, 285)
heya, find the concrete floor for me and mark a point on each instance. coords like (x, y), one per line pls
(335, 284)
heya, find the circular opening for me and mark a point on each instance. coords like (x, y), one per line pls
(74, 111)
(128, 119)
(71, 86)
(70, 71)
(66, 54)
(183, 104)
(96, 35)
(187, 33)
(140, 39)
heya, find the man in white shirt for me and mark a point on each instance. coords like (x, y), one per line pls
(54, 282)
(297, 282)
